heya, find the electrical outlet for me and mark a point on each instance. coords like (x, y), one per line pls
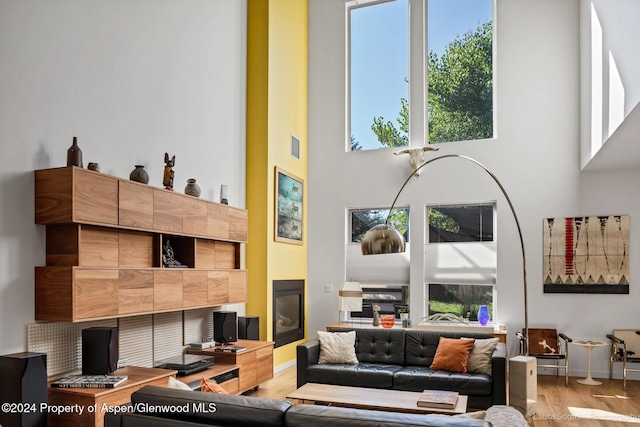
(328, 289)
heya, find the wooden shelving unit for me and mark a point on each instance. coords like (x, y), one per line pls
(104, 243)
(255, 363)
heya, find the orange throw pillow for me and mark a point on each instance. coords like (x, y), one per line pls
(210, 386)
(452, 355)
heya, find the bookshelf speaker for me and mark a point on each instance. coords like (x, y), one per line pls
(249, 327)
(24, 379)
(99, 350)
(225, 327)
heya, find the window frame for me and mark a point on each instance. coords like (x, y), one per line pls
(418, 95)
(460, 281)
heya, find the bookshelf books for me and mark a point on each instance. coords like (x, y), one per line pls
(89, 381)
(438, 399)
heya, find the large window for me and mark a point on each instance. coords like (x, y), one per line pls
(389, 271)
(459, 72)
(460, 259)
(378, 71)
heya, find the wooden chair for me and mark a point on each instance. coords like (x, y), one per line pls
(547, 345)
(625, 348)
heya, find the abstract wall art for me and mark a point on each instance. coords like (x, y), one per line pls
(586, 255)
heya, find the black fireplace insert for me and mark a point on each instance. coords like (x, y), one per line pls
(288, 311)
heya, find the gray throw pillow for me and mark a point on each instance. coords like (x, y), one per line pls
(337, 347)
(480, 357)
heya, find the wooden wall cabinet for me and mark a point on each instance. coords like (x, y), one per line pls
(104, 242)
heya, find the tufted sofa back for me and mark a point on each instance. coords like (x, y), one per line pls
(379, 345)
(421, 345)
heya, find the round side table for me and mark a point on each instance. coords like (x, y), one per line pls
(589, 345)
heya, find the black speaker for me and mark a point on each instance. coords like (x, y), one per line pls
(99, 350)
(225, 326)
(24, 381)
(249, 327)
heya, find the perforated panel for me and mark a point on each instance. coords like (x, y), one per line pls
(62, 342)
(167, 335)
(136, 341)
(198, 326)
(142, 339)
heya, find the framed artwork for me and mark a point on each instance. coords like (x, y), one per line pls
(586, 255)
(289, 194)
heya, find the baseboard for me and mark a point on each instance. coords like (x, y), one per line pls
(284, 366)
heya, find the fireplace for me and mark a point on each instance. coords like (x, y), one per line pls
(288, 311)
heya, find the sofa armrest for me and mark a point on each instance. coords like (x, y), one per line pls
(499, 374)
(307, 354)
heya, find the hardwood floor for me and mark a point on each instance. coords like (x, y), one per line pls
(606, 405)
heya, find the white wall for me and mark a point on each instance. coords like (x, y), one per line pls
(610, 87)
(131, 79)
(535, 155)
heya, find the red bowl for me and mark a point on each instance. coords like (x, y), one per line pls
(387, 320)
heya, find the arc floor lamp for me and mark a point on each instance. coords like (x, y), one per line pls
(385, 239)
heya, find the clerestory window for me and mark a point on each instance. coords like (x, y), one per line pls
(456, 54)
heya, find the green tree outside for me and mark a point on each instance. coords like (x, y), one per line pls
(460, 95)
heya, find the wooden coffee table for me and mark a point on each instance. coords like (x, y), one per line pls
(370, 398)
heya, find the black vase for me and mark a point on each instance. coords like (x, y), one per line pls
(74, 154)
(139, 175)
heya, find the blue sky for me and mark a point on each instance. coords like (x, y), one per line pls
(380, 54)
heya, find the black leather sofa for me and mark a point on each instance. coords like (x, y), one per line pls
(399, 359)
(153, 406)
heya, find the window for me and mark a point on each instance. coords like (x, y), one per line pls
(362, 220)
(461, 223)
(378, 57)
(461, 259)
(388, 271)
(459, 72)
(461, 300)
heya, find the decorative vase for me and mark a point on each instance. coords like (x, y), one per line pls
(376, 318)
(224, 194)
(192, 189)
(483, 315)
(74, 154)
(139, 175)
(387, 320)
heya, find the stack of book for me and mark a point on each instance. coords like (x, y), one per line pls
(438, 399)
(89, 381)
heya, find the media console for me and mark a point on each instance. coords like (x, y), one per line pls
(255, 364)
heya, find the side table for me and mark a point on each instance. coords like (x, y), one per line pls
(87, 404)
(589, 345)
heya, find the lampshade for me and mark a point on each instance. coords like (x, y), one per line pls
(383, 239)
(350, 297)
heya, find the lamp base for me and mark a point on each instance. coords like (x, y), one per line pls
(523, 384)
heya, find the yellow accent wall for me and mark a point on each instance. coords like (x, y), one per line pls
(277, 52)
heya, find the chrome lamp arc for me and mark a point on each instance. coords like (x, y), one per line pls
(385, 239)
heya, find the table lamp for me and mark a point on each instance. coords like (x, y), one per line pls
(349, 297)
